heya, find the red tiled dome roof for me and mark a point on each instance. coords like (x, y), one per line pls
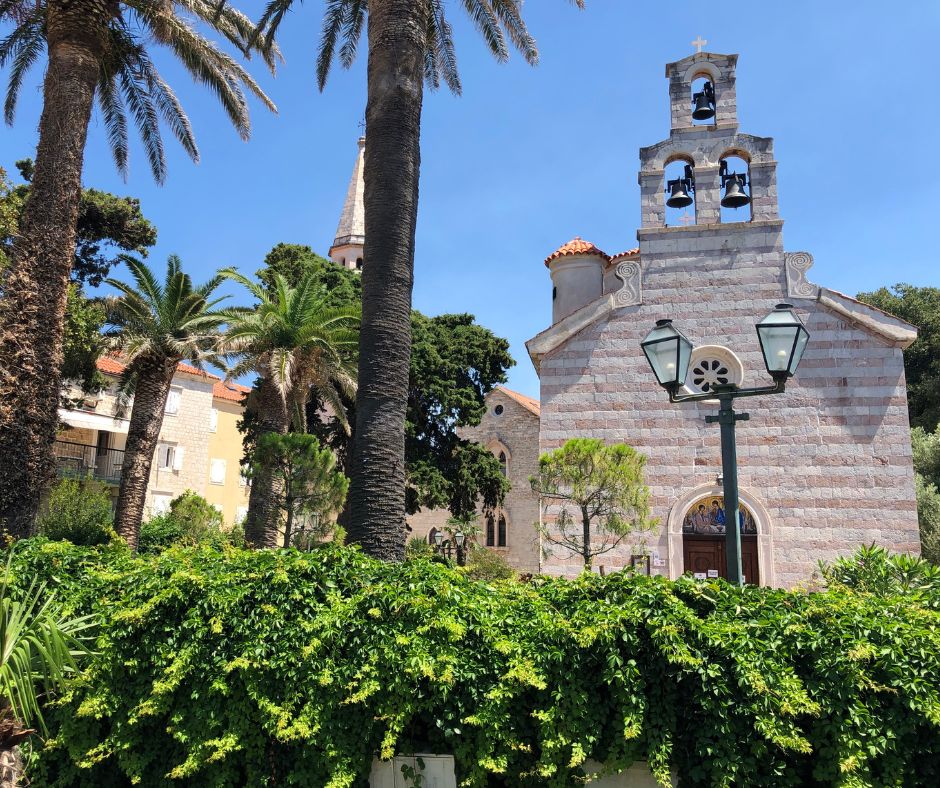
(628, 253)
(576, 245)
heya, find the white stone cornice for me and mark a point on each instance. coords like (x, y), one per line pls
(898, 332)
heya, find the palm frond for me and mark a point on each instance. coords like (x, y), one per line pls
(24, 46)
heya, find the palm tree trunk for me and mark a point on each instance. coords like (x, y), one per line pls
(393, 156)
(261, 523)
(12, 734)
(150, 395)
(32, 313)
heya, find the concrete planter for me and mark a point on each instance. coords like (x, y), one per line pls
(437, 771)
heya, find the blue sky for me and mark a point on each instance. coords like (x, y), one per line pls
(529, 157)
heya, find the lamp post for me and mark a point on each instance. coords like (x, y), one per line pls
(445, 546)
(783, 339)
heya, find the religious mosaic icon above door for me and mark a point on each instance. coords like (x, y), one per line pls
(707, 516)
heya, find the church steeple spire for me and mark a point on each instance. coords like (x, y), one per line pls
(351, 231)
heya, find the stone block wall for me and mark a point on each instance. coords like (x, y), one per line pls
(826, 466)
(515, 431)
(188, 430)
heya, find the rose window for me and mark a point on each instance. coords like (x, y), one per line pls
(713, 365)
(708, 373)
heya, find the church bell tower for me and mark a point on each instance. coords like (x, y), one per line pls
(726, 180)
(350, 237)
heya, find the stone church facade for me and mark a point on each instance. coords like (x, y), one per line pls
(823, 468)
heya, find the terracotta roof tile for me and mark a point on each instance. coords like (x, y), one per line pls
(234, 392)
(112, 365)
(531, 405)
(628, 253)
(576, 245)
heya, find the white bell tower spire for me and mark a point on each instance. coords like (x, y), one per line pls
(351, 231)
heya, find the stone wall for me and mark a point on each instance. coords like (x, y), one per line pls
(829, 461)
(515, 431)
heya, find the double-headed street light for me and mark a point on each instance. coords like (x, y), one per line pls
(783, 339)
(445, 546)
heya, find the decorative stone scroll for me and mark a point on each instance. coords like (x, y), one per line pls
(631, 293)
(798, 286)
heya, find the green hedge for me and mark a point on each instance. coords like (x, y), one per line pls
(232, 668)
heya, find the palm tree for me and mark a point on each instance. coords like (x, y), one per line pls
(39, 647)
(154, 327)
(96, 49)
(410, 43)
(296, 343)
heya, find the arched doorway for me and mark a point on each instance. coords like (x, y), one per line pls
(703, 539)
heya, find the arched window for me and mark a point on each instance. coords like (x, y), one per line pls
(358, 263)
(703, 101)
(431, 535)
(735, 189)
(679, 180)
(490, 531)
(503, 463)
(501, 535)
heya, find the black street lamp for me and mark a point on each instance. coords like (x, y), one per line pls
(446, 546)
(783, 339)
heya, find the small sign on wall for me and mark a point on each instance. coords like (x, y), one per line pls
(699, 575)
(713, 573)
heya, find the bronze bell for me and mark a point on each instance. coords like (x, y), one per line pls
(679, 189)
(735, 196)
(704, 109)
(678, 194)
(704, 103)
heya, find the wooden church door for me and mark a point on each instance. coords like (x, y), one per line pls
(703, 541)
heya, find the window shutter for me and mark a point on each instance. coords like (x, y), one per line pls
(213, 420)
(173, 401)
(217, 471)
(177, 454)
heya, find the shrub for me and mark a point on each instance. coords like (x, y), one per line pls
(486, 564)
(240, 667)
(191, 520)
(418, 547)
(79, 511)
(873, 570)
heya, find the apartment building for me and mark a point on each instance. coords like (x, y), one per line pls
(199, 447)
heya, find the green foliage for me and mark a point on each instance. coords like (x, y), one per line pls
(79, 511)
(107, 227)
(596, 496)
(926, 450)
(928, 517)
(454, 363)
(190, 520)
(294, 262)
(873, 570)
(220, 668)
(919, 306)
(306, 482)
(484, 564)
(39, 648)
(417, 548)
(82, 341)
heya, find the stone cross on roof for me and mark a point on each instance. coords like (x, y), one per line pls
(699, 43)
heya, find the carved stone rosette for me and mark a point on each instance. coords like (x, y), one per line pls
(798, 286)
(631, 294)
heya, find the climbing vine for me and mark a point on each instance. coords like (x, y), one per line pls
(224, 667)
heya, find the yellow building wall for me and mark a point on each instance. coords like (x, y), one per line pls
(225, 444)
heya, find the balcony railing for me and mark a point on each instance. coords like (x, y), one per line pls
(79, 461)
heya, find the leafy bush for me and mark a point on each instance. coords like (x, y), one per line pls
(191, 520)
(418, 547)
(230, 667)
(873, 570)
(79, 511)
(486, 564)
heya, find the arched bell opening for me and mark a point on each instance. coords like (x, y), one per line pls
(679, 181)
(734, 176)
(704, 107)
